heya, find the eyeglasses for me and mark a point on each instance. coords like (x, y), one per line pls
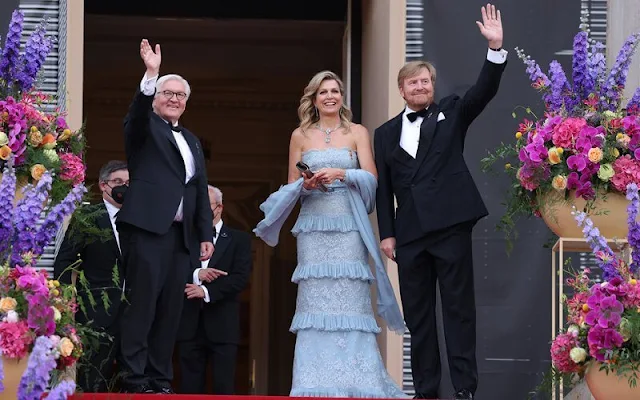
(118, 182)
(168, 94)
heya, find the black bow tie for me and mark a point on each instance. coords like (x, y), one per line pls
(176, 128)
(412, 116)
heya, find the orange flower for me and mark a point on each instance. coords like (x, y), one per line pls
(554, 156)
(37, 171)
(559, 182)
(48, 141)
(595, 155)
(5, 152)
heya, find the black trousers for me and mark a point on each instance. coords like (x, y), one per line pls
(155, 270)
(97, 375)
(194, 355)
(444, 257)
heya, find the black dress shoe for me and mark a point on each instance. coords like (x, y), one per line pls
(165, 390)
(428, 396)
(162, 388)
(138, 389)
(463, 394)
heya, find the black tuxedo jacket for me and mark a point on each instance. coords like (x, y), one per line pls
(221, 316)
(157, 176)
(435, 190)
(100, 258)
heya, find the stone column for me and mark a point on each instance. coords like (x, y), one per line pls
(623, 19)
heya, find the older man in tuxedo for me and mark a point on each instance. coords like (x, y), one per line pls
(210, 325)
(99, 259)
(165, 215)
(420, 162)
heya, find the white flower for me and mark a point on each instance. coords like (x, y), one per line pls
(578, 354)
(12, 317)
(573, 330)
(56, 314)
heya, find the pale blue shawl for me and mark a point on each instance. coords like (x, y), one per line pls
(362, 191)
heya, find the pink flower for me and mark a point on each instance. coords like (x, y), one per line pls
(560, 353)
(626, 171)
(72, 168)
(601, 340)
(15, 339)
(565, 134)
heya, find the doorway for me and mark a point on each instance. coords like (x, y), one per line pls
(247, 63)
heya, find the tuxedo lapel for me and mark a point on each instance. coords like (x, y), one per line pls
(166, 133)
(221, 246)
(427, 132)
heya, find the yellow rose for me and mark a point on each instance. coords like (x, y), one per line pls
(3, 139)
(560, 150)
(37, 171)
(66, 134)
(8, 304)
(518, 135)
(623, 139)
(633, 281)
(605, 173)
(5, 152)
(554, 156)
(507, 166)
(35, 138)
(66, 347)
(559, 182)
(615, 152)
(585, 307)
(34, 129)
(595, 154)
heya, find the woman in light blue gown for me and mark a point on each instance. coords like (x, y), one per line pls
(336, 353)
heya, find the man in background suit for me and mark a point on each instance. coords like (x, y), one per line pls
(210, 325)
(100, 261)
(165, 216)
(419, 157)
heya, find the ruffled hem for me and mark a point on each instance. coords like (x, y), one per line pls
(337, 270)
(334, 323)
(353, 392)
(316, 223)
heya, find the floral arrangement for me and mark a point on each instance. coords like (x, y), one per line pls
(38, 140)
(604, 318)
(585, 145)
(36, 313)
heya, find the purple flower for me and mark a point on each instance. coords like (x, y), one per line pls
(610, 312)
(577, 162)
(1, 376)
(613, 86)
(582, 81)
(40, 316)
(7, 193)
(9, 65)
(62, 390)
(36, 378)
(560, 88)
(634, 228)
(36, 51)
(605, 257)
(602, 340)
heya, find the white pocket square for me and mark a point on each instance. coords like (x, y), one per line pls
(440, 117)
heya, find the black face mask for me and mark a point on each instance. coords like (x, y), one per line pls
(118, 192)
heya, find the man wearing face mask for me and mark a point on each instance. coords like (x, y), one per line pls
(164, 220)
(100, 259)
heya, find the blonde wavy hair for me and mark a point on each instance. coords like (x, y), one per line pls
(307, 112)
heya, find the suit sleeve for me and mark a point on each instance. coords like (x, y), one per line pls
(203, 215)
(234, 283)
(484, 90)
(70, 250)
(384, 195)
(136, 123)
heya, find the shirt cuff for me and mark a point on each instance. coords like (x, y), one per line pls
(206, 294)
(497, 57)
(148, 85)
(196, 280)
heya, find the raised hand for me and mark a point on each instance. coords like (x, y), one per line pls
(491, 26)
(151, 59)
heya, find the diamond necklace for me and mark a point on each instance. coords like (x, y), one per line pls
(327, 132)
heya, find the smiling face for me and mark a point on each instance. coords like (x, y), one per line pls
(417, 90)
(170, 100)
(328, 98)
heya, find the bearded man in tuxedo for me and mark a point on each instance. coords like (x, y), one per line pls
(420, 162)
(166, 211)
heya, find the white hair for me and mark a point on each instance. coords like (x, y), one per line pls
(173, 77)
(217, 193)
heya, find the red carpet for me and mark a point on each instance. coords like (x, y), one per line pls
(125, 396)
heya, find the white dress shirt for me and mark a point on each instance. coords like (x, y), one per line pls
(205, 264)
(148, 88)
(410, 136)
